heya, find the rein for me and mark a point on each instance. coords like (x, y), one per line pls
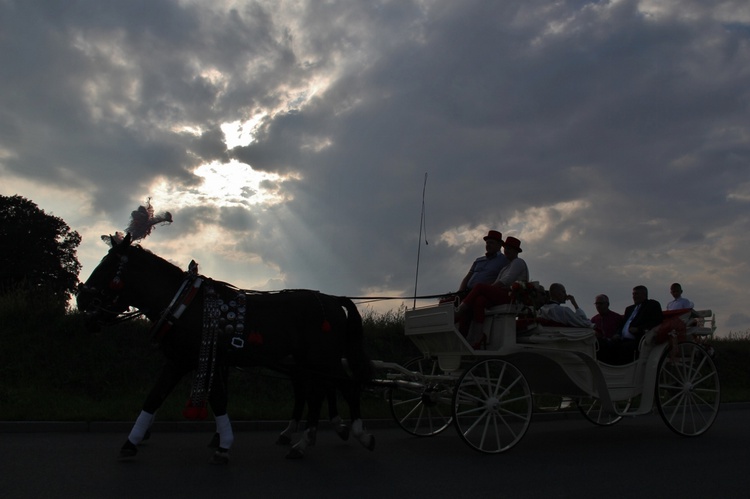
(375, 298)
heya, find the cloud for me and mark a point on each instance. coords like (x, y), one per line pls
(611, 137)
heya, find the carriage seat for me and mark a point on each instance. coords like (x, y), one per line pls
(702, 323)
(680, 323)
(528, 324)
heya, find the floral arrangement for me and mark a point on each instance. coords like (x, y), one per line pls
(530, 294)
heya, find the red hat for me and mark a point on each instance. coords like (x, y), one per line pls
(493, 234)
(514, 243)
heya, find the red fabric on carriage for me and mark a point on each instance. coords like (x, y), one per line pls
(671, 323)
(675, 313)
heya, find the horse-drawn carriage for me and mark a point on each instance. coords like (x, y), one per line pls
(489, 394)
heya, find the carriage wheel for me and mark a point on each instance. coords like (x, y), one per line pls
(423, 409)
(687, 389)
(591, 408)
(492, 406)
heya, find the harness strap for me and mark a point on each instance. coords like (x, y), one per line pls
(204, 374)
(182, 299)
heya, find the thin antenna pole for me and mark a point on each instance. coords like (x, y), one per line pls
(419, 247)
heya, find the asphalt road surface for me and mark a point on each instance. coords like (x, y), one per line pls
(637, 458)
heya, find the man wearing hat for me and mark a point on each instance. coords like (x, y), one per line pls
(488, 295)
(485, 269)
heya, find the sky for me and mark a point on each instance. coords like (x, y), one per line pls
(365, 147)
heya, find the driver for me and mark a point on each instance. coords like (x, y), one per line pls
(488, 295)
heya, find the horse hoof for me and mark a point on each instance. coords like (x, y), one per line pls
(295, 453)
(283, 440)
(215, 441)
(369, 443)
(128, 450)
(220, 457)
(343, 432)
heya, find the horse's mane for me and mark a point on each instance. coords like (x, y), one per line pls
(154, 261)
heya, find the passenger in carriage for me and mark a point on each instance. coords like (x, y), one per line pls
(679, 302)
(485, 295)
(555, 311)
(644, 314)
(607, 322)
(485, 268)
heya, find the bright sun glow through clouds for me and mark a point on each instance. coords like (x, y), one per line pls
(224, 184)
(227, 184)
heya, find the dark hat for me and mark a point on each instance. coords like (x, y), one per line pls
(493, 234)
(514, 243)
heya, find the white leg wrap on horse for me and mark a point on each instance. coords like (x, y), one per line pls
(308, 440)
(366, 439)
(291, 428)
(224, 429)
(357, 427)
(141, 426)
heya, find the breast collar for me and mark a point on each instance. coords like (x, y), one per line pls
(182, 299)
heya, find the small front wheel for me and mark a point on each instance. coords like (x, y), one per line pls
(492, 406)
(687, 389)
(420, 407)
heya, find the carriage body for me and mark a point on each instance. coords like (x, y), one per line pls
(489, 394)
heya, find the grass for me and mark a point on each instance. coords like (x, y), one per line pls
(733, 364)
(51, 368)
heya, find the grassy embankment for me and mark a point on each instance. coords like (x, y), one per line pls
(51, 368)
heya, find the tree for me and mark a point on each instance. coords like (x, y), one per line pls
(37, 250)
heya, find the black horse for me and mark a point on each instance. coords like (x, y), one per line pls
(300, 401)
(205, 326)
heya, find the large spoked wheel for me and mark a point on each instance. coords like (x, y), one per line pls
(420, 407)
(492, 406)
(687, 389)
(591, 408)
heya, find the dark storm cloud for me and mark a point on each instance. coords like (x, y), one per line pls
(611, 137)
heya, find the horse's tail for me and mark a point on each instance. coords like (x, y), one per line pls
(359, 363)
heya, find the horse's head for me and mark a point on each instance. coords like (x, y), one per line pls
(101, 296)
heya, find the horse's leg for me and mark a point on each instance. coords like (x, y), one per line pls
(298, 388)
(315, 394)
(219, 399)
(351, 393)
(333, 413)
(170, 375)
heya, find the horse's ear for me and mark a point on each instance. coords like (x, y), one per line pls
(118, 240)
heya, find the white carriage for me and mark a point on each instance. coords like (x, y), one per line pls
(489, 394)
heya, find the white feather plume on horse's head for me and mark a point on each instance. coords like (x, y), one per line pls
(142, 222)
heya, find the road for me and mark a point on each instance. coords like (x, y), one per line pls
(638, 457)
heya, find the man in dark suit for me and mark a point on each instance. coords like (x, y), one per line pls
(643, 315)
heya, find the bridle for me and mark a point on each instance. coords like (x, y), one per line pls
(102, 305)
